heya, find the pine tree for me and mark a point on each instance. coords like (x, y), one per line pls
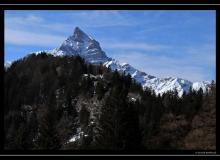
(100, 91)
(48, 138)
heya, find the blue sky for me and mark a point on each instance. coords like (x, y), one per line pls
(162, 43)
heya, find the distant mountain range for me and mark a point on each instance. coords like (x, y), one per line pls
(81, 44)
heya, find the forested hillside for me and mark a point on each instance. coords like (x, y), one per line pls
(64, 103)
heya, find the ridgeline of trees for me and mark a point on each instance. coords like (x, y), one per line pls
(48, 99)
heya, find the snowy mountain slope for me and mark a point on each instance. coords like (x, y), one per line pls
(81, 44)
(7, 64)
(84, 45)
(159, 85)
(204, 85)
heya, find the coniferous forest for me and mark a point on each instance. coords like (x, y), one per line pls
(63, 103)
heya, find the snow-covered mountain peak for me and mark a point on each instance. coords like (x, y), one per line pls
(85, 46)
(81, 44)
(80, 36)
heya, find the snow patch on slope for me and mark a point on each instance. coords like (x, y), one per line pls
(7, 64)
(204, 85)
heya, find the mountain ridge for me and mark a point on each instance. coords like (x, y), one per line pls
(88, 48)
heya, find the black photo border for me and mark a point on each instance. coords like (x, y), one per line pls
(110, 2)
(107, 7)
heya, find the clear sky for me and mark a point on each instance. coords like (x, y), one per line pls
(162, 43)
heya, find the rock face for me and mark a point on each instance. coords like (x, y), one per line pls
(81, 44)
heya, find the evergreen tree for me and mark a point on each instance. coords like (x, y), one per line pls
(48, 138)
